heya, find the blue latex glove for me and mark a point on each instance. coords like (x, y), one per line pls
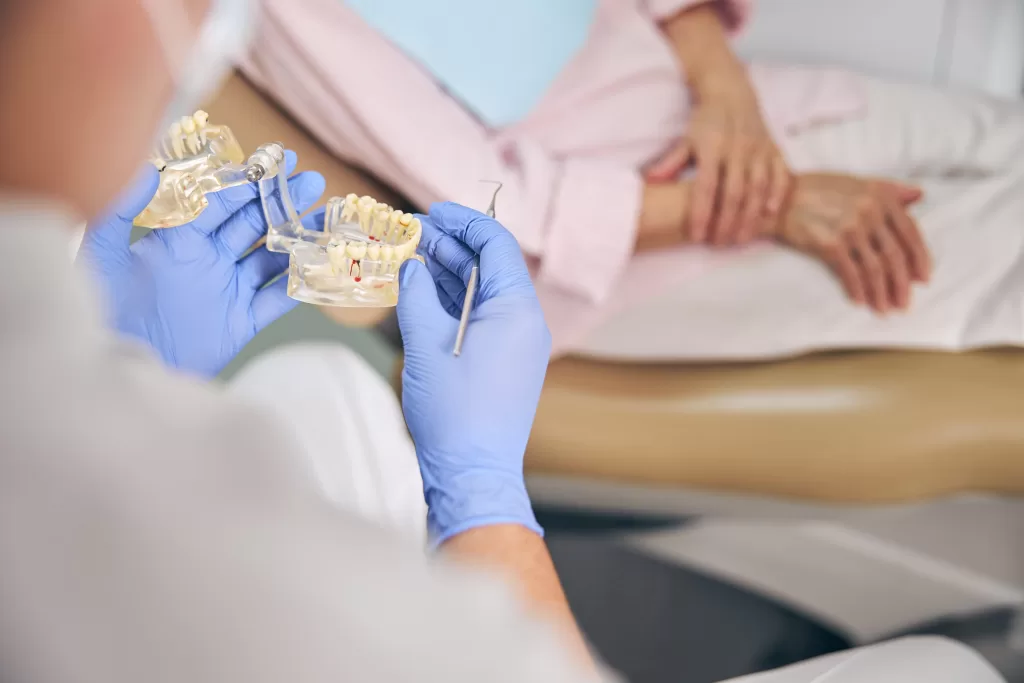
(187, 291)
(470, 417)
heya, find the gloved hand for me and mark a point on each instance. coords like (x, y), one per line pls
(187, 291)
(470, 416)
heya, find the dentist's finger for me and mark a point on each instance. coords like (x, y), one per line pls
(503, 270)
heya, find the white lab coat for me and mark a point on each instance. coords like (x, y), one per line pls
(154, 529)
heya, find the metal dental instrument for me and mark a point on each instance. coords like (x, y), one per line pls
(474, 275)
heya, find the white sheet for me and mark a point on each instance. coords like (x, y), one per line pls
(768, 301)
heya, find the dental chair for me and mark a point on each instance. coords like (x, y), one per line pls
(876, 491)
(873, 491)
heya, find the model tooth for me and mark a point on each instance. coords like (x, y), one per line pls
(414, 240)
(336, 254)
(402, 252)
(351, 208)
(356, 250)
(387, 253)
(166, 150)
(380, 224)
(404, 223)
(318, 272)
(373, 252)
(393, 220)
(202, 119)
(177, 141)
(188, 126)
(366, 206)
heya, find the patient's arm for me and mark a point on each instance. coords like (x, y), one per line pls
(859, 227)
(663, 215)
(862, 230)
(737, 161)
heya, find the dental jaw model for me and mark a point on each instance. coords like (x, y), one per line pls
(196, 158)
(353, 261)
(357, 260)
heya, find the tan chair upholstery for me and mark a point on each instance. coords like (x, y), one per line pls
(853, 427)
(869, 427)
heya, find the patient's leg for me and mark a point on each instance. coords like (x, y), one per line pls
(915, 130)
(351, 427)
(910, 660)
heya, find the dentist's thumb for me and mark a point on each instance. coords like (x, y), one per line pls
(114, 226)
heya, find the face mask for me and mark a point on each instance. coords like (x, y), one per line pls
(199, 64)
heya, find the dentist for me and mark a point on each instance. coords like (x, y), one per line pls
(153, 528)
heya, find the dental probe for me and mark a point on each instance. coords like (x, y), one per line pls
(474, 275)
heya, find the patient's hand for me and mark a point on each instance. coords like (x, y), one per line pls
(862, 230)
(742, 178)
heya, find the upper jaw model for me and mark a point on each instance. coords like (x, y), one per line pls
(196, 158)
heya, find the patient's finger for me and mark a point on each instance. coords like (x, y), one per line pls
(733, 197)
(894, 259)
(705, 187)
(872, 271)
(781, 179)
(779, 182)
(669, 166)
(909, 235)
(890, 253)
(904, 194)
(840, 259)
(755, 206)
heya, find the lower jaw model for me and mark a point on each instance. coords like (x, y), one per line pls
(356, 260)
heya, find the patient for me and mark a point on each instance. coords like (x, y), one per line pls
(651, 137)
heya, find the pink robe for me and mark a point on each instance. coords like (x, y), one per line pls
(571, 169)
